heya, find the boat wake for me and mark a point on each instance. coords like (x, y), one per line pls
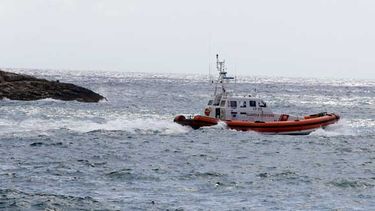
(145, 125)
(341, 128)
(136, 126)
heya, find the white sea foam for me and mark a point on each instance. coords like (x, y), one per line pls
(342, 128)
(139, 126)
(143, 126)
(49, 100)
(220, 125)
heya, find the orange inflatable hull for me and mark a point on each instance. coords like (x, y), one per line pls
(297, 127)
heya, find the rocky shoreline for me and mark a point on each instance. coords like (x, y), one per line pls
(24, 87)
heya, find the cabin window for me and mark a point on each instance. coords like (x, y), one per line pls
(243, 104)
(222, 104)
(262, 104)
(253, 103)
(210, 102)
(233, 104)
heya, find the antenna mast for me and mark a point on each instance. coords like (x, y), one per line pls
(220, 66)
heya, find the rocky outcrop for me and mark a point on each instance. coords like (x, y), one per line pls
(24, 87)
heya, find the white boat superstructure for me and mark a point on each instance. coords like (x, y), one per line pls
(226, 105)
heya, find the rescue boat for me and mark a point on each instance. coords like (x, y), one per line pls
(251, 113)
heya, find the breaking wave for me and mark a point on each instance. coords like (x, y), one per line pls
(136, 126)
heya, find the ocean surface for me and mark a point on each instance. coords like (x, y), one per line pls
(127, 154)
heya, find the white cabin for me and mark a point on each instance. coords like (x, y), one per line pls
(246, 108)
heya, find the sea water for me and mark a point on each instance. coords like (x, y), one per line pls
(128, 154)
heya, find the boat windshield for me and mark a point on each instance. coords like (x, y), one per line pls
(262, 104)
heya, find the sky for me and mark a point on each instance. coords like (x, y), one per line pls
(301, 38)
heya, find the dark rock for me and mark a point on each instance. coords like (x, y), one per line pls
(24, 87)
